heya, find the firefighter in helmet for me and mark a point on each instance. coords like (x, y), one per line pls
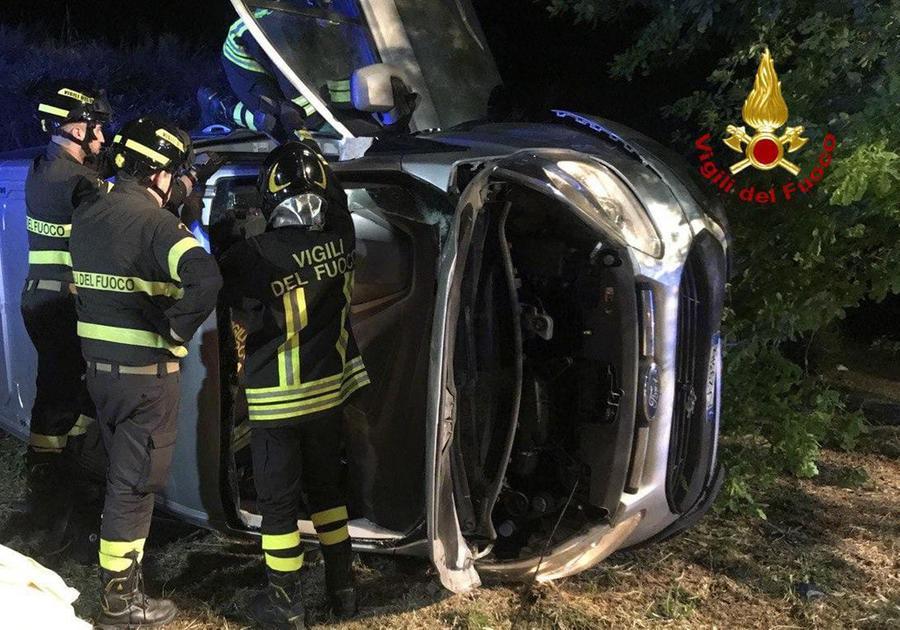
(145, 285)
(290, 290)
(73, 114)
(263, 99)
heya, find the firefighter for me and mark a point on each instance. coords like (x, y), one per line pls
(290, 289)
(145, 285)
(263, 98)
(73, 114)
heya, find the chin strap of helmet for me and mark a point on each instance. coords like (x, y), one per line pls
(164, 196)
(89, 136)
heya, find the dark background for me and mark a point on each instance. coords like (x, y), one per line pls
(544, 61)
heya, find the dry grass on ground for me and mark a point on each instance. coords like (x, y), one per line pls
(840, 532)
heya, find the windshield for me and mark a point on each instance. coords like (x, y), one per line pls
(438, 44)
(320, 40)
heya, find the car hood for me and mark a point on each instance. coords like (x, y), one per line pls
(438, 154)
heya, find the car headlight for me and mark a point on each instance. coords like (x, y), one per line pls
(614, 206)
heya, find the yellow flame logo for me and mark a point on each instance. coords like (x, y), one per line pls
(765, 110)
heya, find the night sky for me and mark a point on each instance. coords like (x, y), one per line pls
(546, 62)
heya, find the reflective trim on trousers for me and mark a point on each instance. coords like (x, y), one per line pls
(284, 565)
(118, 555)
(47, 443)
(81, 425)
(277, 542)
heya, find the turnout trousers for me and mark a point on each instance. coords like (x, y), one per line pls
(250, 109)
(62, 406)
(278, 454)
(250, 87)
(137, 415)
(261, 105)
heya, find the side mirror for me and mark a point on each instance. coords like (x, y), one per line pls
(372, 87)
(382, 90)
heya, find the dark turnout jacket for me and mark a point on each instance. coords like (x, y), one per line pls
(56, 184)
(141, 276)
(290, 289)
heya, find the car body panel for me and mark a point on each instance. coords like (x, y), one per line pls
(194, 490)
(19, 359)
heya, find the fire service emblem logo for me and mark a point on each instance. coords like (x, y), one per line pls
(765, 112)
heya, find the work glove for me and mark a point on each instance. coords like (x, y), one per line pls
(192, 209)
(228, 227)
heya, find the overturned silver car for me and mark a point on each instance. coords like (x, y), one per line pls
(538, 305)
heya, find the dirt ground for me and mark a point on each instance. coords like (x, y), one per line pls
(827, 557)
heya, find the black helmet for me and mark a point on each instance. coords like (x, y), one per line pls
(295, 184)
(148, 145)
(190, 156)
(72, 101)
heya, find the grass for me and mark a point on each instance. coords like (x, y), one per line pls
(838, 534)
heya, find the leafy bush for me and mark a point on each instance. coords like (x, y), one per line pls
(801, 263)
(160, 75)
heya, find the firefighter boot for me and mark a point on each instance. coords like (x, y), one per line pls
(212, 110)
(83, 534)
(41, 518)
(280, 606)
(339, 582)
(124, 604)
(222, 109)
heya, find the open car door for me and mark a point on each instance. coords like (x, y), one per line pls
(477, 377)
(451, 553)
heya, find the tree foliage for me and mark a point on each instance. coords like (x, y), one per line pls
(801, 263)
(157, 75)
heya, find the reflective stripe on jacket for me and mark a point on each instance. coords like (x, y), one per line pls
(141, 276)
(56, 184)
(240, 48)
(290, 290)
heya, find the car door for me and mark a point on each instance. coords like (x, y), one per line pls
(450, 552)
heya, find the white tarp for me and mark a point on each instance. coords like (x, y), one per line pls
(32, 597)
